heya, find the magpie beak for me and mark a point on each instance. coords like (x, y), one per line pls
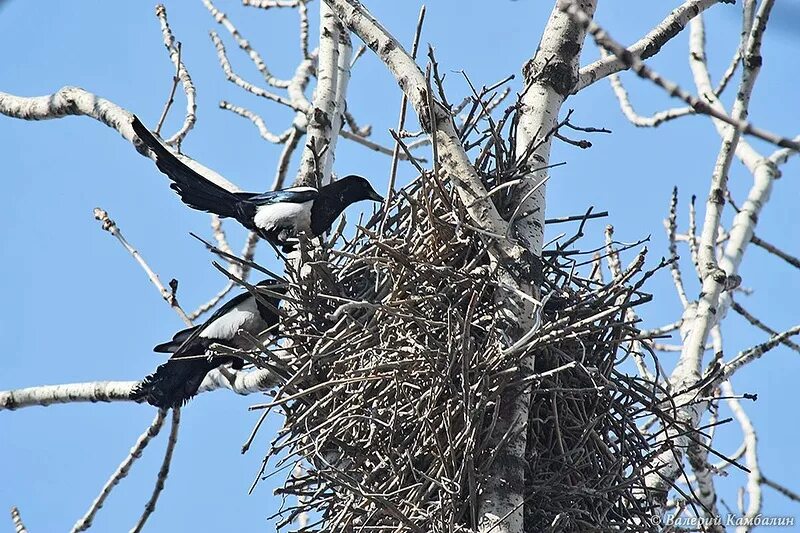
(176, 381)
(275, 215)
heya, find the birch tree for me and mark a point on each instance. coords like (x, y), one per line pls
(442, 366)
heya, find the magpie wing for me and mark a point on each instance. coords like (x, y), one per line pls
(295, 195)
(177, 339)
(187, 341)
(195, 190)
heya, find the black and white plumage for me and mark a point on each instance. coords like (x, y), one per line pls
(176, 381)
(275, 215)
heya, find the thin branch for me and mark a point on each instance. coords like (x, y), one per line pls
(163, 472)
(237, 80)
(751, 457)
(630, 113)
(634, 62)
(169, 295)
(795, 497)
(269, 4)
(671, 226)
(401, 123)
(122, 470)
(244, 44)
(748, 356)
(774, 250)
(760, 325)
(171, 98)
(647, 46)
(16, 519)
(258, 122)
(189, 90)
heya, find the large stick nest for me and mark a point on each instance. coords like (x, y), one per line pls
(400, 373)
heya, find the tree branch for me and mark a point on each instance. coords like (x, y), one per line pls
(121, 472)
(647, 46)
(76, 101)
(316, 160)
(163, 472)
(240, 382)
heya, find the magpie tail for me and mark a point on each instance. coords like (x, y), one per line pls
(175, 382)
(195, 190)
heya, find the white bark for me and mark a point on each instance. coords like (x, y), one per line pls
(550, 77)
(76, 101)
(667, 465)
(321, 137)
(647, 46)
(119, 391)
(340, 103)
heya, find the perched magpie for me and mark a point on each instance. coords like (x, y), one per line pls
(274, 215)
(176, 381)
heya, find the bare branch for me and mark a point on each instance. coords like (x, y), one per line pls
(647, 46)
(237, 80)
(168, 295)
(244, 44)
(258, 122)
(751, 457)
(317, 158)
(16, 519)
(635, 63)
(189, 90)
(774, 250)
(671, 226)
(763, 327)
(122, 470)
(241, 382)
(76, 101)
(630, 113)
(163, 472)
(748, 356)
(269, 4)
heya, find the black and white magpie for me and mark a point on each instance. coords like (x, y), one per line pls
(176, 381)
(274, 215)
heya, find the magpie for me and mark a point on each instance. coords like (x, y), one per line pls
(176, 381)
(274, 215)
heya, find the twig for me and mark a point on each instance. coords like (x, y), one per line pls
(189, 90)
(171, 98)
(169, 295)
(401, 123)
(760, 325)
(16, 519)
(647, 46)
(748, 356)
(780, 488)
(163, 472)
(795, 262)
(122, 470)
(634, 62)
(244, 44)
(671, 226)
(258, 122)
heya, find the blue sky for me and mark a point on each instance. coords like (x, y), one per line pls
(79, 309)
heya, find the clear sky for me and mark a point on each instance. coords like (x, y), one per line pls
(79, 309)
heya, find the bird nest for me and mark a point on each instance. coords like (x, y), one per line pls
(400, 375)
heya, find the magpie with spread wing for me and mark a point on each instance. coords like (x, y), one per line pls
(176, 381)
(275, 215)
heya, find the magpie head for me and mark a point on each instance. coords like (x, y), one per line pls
(274, 286)
(354, 188)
